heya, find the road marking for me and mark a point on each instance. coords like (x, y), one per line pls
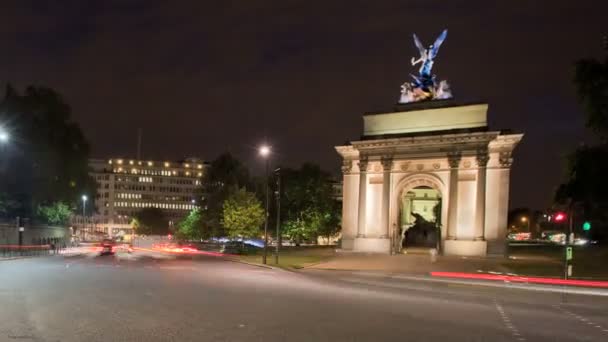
(582, 319)
(507, 322)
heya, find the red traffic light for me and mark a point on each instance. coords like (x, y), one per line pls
(560, 217)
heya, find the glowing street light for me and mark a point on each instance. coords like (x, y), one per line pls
(84, 205)
(264, 151)
(524, 219)
(3, 136)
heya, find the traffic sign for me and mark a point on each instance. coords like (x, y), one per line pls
(569, 253)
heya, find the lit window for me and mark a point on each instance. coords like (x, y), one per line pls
(166, 164)
(130, 162)
(187, 173)
(200, 174)
(200, 166)
(150, 163)
(110, 161)
(119, 161)
(187, 165)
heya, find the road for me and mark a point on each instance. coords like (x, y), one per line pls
(153, 298)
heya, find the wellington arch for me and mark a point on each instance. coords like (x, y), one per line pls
(441, 153)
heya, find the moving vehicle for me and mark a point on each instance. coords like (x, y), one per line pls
(108, 246)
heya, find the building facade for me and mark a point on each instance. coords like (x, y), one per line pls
(438, 145)
(126, 186)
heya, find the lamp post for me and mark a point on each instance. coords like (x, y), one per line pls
(265, 153)
(84, 206)
(278, 234)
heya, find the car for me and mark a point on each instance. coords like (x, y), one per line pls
(108, 246)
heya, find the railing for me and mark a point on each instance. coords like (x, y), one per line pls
(9, 251)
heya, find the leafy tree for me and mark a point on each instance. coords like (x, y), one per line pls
(57, 213)
(7, 205)
(47, 158)
(304, 227)
(242, 215)
(193, 227)
(586, 185)
(151, 221)
(591, 80)
(225, 175)
(308, 206)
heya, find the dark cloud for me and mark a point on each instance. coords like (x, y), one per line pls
(201, 77)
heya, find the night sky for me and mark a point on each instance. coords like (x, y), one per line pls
(202, 77)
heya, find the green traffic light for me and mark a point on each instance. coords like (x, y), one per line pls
(587, 226)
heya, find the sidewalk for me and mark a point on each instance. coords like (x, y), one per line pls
(419, 263)
(407, 263)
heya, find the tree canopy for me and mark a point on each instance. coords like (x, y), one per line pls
(46, 158)
(193, 226)
(586, 185)
(225, 175)
(242, 214)
(151, 221)
(308, 206)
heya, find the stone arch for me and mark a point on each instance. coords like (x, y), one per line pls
(413, 181)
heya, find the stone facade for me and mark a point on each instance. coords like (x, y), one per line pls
(468, 166)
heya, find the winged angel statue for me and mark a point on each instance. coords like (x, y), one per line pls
(425, 85)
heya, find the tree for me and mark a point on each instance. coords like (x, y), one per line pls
(225, 175)
(47, 159)
(308, 206)
(242, 214)
(591, 80)
(586, 187)
(193, 227)
(57, 213)
(306, 226)
(151, 221)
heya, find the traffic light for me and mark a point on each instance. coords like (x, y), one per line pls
(560, 217)
(587, 226)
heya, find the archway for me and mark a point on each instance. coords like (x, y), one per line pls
(428, 190)
(420, 217)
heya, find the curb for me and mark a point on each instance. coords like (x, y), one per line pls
(253, 264)
(564, 289)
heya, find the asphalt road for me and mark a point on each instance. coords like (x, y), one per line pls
(145, 298)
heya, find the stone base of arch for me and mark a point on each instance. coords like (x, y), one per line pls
(465, 247)
(372, 245)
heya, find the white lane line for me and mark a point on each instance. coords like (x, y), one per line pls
(507, 322)
(582, 319)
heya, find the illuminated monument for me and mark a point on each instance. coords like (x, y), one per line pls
(430, 145)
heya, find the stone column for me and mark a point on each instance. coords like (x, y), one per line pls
(363, 161)
(387, 165)
(480, 198)
(454, 161)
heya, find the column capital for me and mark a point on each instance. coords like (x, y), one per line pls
(347, 165)
(387, 162)
(482, 158)
(505, 159)
(454, 158)
(363, 163)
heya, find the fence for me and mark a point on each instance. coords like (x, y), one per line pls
(32, 240)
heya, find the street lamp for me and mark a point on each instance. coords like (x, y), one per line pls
(264, 151)
(278, 197)
(3, 136)
(84, 206)
(525, 219)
